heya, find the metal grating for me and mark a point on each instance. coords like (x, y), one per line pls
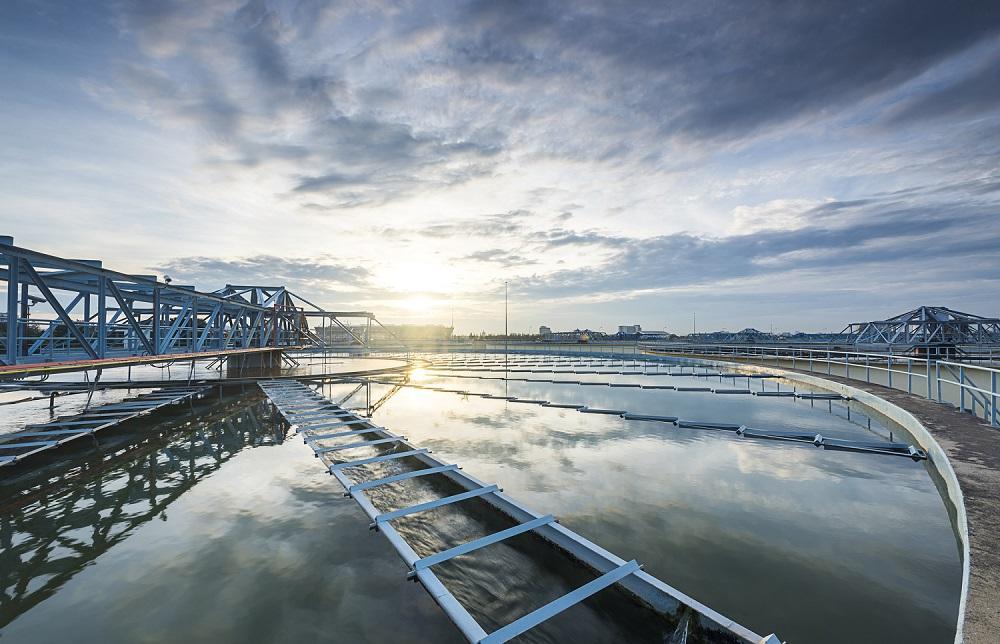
(37, 438)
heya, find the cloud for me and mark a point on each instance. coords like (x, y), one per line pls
(973, 94)
(715, 70)
(778, 214)
(236, 73)
(559, 237)
(399, 103)
(499, 256)
(592, 150)
(883, 238)
(511, 224)
(303, 276)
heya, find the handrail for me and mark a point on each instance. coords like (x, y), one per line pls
(969, 366)
(778, 347)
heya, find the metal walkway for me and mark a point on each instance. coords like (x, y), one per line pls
(104, 318)
(320, 420)
(37, 438)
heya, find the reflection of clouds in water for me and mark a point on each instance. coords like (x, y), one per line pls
(794, 462)
(745, 525)
(267, 519)
(559, 430)
(499, 420)
(769, 413)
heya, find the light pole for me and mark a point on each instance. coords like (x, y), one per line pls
(506, 337)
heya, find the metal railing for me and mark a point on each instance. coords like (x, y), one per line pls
(971, 388)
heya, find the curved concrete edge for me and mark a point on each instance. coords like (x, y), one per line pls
(935, 454)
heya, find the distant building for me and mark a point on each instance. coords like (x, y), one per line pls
(629, 329)
(389, 333)
(577, 335)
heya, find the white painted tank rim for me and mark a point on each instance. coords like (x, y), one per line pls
(936, 456)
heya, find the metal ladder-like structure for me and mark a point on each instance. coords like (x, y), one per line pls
(41, 437)
(319, 420)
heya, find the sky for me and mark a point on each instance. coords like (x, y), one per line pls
(785, 165)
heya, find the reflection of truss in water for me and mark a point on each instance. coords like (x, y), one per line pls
(369, 408)
(52, 532)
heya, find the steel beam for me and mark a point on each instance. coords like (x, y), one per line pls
(58, 308)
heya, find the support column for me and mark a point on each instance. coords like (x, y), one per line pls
(220, 328)
(194, 324)
(156, 321)
(13, 285)
(22, 325)
(261, 363)
(102, 318)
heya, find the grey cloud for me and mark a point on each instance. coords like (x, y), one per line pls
(834, 207)
(561, 237)
(976, 93)
(514, 225)
(345, 105)
(196, 102)
(898, 236)
(508, 224)
(500, 256)
(427, 97)
(719, 69)
(227, 69)
(325, 182)
(306, 275)
(817, 55)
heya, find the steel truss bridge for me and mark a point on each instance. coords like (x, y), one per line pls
(90, 313)
(927, 331)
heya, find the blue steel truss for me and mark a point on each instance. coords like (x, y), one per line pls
(85, 311)
(927, 328)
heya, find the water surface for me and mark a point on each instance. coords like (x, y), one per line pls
(213, 526)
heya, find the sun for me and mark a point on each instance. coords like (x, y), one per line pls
(417, 304)
(422, 277)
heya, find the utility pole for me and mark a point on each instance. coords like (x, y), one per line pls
(694, 323)
(506, 338)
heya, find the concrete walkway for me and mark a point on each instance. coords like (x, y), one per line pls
(973, 449)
